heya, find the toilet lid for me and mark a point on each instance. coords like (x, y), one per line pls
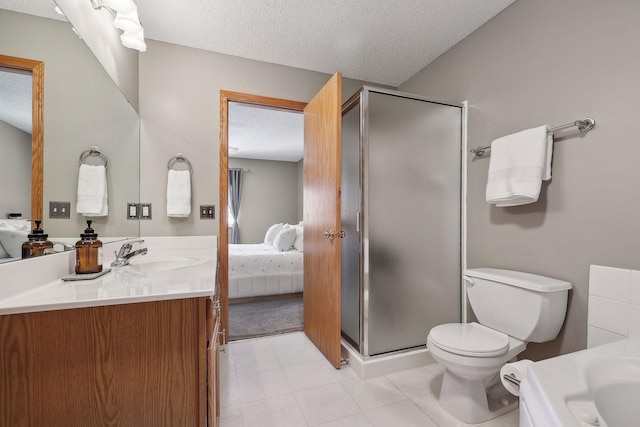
(469, 339)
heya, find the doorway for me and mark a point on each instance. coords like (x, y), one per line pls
(251, 284)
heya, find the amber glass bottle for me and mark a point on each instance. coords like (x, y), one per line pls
(88, 252)
(37, 243)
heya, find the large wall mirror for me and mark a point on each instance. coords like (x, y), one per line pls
(82, 108)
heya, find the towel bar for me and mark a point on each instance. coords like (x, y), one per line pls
(179, 158)
(94, 151)
(584, 125)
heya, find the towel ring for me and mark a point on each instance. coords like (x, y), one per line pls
(94, 151)
(179, 158)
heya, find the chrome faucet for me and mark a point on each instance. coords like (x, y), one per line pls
(124, 254)
(65, 247)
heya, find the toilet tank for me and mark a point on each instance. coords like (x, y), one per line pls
(522, 305)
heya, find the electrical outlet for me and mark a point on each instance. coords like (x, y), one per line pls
(145, 210)
(207, 212)
(59, 210)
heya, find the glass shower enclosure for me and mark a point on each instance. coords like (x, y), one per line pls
(401, 214)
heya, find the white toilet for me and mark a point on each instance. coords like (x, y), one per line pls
(512, 308)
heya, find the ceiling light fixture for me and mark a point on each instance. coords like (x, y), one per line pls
(125, 18)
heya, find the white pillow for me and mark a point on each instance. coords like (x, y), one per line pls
(3, 253)
(13, 233)
(284, 240)
(298, 244)
(271, 234)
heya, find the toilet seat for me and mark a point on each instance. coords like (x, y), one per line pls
(469, 339)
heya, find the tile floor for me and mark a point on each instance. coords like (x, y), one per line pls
(284, 381)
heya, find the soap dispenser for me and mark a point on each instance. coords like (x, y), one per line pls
(88, 252)
(37, 243)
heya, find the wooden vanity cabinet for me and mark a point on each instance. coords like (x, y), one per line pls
(139, 364)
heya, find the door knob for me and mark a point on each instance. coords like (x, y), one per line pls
(329, 234)
(341, 234)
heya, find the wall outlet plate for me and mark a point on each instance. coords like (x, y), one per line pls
(133, 211)
(207, 212)
(59, 210)
(145, 210)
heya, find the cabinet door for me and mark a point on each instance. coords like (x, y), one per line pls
(137, 365)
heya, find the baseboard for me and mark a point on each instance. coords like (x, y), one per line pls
(245, 300)
(376, 366)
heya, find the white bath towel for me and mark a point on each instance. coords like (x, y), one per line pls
(178, 193)
(519, 163)
(92, 191)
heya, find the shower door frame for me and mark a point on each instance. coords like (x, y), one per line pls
(361, 100)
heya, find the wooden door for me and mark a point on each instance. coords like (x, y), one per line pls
(322, 135)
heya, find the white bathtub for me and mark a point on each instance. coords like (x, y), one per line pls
(594, 387)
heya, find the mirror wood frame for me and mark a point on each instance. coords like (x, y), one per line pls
(36, 68)
(223, 252)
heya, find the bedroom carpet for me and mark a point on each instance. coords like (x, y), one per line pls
(262, 318)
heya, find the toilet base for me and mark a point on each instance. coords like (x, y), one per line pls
(475, 401)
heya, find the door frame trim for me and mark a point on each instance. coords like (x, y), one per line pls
(223, 253)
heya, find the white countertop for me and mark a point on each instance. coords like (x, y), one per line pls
(123, 285)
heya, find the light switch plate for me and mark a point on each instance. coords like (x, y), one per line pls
(207, 212)
(145, 210)
(59, 210)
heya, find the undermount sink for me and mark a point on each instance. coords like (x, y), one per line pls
(145, 264)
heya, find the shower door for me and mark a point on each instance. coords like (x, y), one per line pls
(405, 268)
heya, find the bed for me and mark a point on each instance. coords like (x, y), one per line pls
(13, 233)
(261, 269)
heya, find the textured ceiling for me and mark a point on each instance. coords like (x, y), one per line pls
(15, 99)
(265, 133)
(379, 41)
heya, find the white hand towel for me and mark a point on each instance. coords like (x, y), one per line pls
(92, 191)
(519, 163)
(178, 193)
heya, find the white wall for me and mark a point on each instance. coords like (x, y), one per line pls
(269, 196)
(553, 62)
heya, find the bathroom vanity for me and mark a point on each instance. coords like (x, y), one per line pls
(136, 347)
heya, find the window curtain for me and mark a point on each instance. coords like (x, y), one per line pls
(235, 190)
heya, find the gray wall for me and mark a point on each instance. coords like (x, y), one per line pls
(15, 144)
(180, 112)
(269, 196)
(551, 62)
(300, 184)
